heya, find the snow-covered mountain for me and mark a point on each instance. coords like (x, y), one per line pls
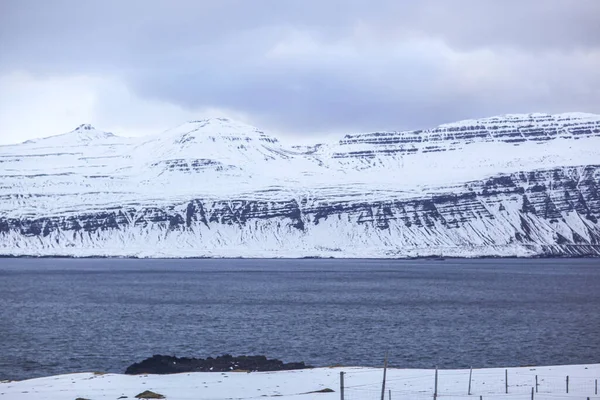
(524, 185)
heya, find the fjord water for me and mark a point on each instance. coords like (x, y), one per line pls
(69, 315)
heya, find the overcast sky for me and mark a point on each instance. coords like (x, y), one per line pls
(297, 67)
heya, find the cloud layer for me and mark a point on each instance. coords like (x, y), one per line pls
(300, 67)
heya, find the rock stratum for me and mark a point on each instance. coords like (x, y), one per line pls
(516, 185)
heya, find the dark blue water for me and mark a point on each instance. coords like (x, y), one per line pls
(64, 315)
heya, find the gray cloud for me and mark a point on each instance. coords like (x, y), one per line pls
(314, 66)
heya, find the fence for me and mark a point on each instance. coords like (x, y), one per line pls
(486, 384)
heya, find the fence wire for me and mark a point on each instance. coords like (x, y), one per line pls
(484, 385)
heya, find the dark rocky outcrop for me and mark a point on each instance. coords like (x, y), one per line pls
(159, 364)
(148, 394)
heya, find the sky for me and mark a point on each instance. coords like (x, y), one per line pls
(303, 68)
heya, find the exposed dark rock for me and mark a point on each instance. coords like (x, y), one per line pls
(326, 390)
(159, 364)
(148, 394)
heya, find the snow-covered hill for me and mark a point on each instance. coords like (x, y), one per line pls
(523, 184)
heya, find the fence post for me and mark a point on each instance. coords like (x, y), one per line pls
(390, 393)
(470, 375)
(567, 383)
(435, 392)
(596, 386)
(536, 384)
(506, 381)
(384, 373)
(341, 385)
(531, 393)
(480, 397)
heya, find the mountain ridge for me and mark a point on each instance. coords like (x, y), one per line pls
(223, 188)
(523, 117)
(83, 134)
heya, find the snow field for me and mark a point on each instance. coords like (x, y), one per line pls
(360, 384)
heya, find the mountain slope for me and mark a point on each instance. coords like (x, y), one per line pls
(522, 185)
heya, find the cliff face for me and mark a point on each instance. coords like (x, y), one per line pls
(513, 129)
(546, 212)
(251, 196)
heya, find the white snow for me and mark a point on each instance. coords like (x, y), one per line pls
(360, 383)
(87, 170)
(83, 135)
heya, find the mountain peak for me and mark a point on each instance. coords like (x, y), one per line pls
(85, 127)
(211, 120)
(88, 132)
(84, 134)
(216, 141)
(216, 129)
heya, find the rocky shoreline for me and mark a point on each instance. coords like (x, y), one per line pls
(432, 257)
(161, 364)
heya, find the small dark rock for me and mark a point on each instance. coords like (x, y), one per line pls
(159, 364)
(149, 395)
(326, 390)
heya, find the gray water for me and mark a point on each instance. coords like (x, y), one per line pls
(68, 315)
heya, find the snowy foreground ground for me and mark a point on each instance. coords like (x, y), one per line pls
(360, 383)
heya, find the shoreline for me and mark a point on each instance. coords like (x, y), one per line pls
(419, 258)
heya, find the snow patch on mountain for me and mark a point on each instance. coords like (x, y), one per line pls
(89, 192)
